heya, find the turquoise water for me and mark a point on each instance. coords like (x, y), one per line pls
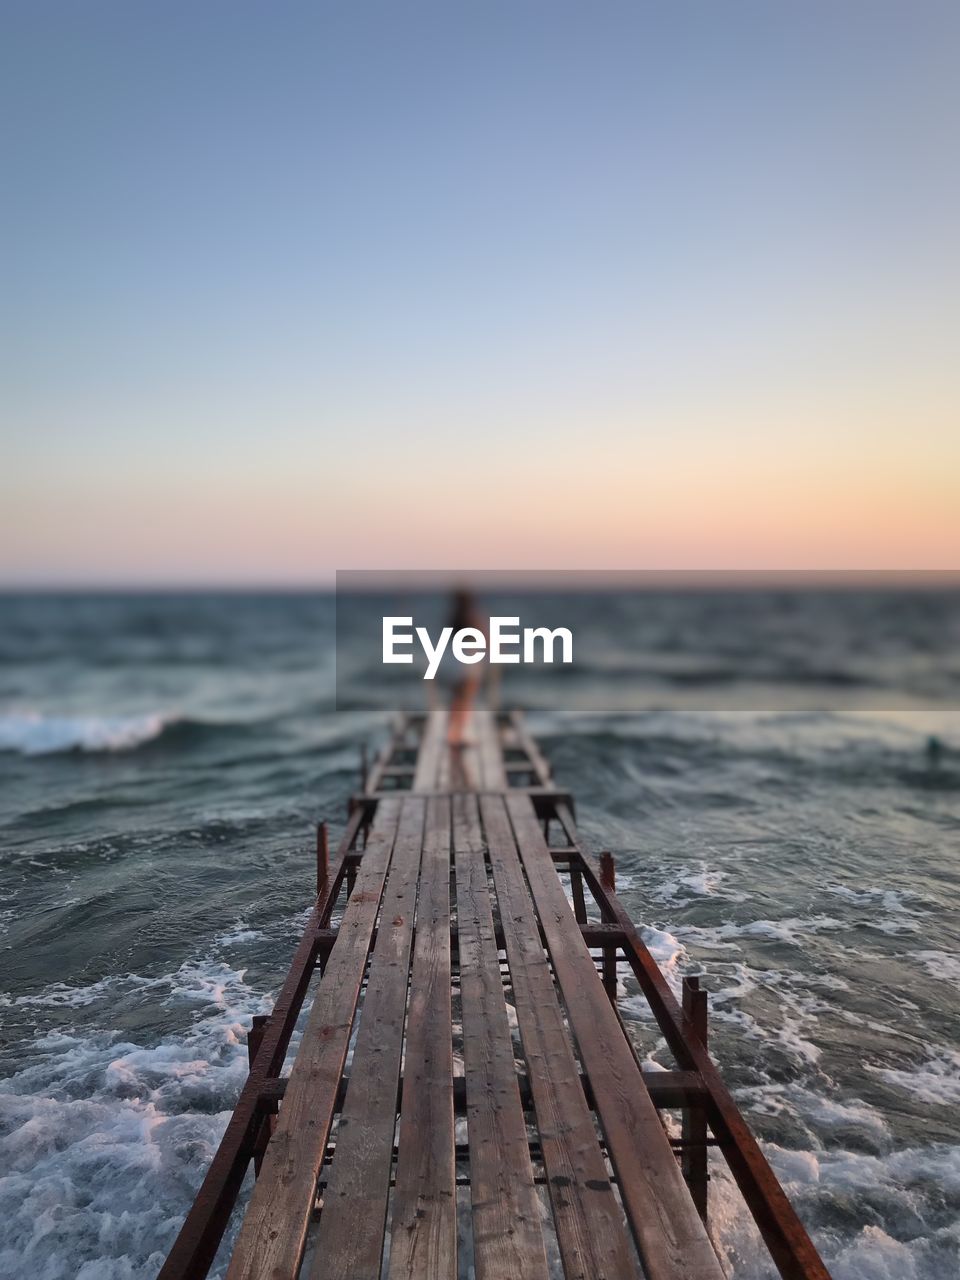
(162, 759)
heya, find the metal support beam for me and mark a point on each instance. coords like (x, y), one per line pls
(669, 1091)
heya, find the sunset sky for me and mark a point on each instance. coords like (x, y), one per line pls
(290, 288)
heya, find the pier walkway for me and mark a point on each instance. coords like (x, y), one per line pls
(465, 1098)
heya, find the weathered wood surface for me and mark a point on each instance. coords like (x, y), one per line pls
(351, 1235)
(433, 754)
(274, 1228)
(489, 751)
(507, 1235)
(423, 1237)
(590, 1229)
(670, 1235)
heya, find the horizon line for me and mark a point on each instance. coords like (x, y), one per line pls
(578, 580)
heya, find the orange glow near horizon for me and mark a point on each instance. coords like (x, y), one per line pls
(585, 505)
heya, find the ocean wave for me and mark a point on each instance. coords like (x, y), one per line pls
(686, 886)
(667, 950)
(794, 931)
(104, 1139)
(936, 1082)
(939, 964)
(31, 734)
(891, 900)
(823, 1184)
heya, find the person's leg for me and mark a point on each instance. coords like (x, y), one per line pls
(460, 708)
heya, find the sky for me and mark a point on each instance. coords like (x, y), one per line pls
(287, 288)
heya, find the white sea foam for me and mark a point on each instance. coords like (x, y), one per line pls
(892, 900)
(875, 1255)
(663, 946)
(902, 907)
(104, 1140)
(935, 1081)
(239, 934)
(834, 1114)
(941, 964)
(790, 1028)
(60, 995)
(895, 926)
(816, 1111)
(893, 1251)
(701, 882)
(793, 930)
(32, 734)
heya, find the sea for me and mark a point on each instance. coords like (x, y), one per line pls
(776, 773)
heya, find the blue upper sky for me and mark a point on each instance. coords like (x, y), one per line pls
(290, 287)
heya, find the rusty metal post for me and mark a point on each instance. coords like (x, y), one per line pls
(254, 1036)
(254, 1039)
(608, 872)
(351, 876)
(576, 889)
(608, 878)
(323, 859)
(694, 1158)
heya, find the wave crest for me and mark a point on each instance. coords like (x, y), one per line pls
(32, 734)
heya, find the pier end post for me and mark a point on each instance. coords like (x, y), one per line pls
(694, 1159)
(608, 878)
(266, 1126)
(323, 859)
(608, 872)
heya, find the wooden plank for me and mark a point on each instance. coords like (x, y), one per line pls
(507, 1238)
(492, 773)
(670, 1236)
(465, 760)
(449, 762)
(273, 1232)
(433, 751)
(352, 1224)
(591, 1233)
(423, 1239)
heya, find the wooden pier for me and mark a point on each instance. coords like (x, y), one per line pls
(465, 1095)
